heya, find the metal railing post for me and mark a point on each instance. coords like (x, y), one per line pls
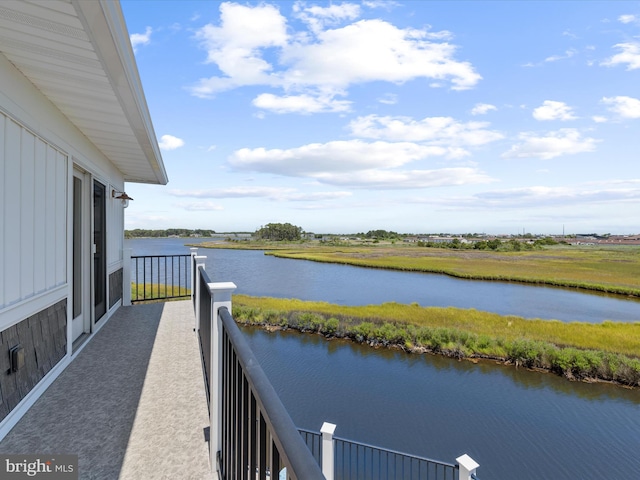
(194, 253)
(196, 260)
(126, 277)
(466, 467)
(328, 468)
(220, 297)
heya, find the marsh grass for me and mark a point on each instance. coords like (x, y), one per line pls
(608, 351)
(148, 291)
(604, 269)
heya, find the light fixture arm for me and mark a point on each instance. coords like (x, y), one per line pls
(122, 196)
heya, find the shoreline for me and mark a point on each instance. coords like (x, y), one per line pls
(475, 359)
(567, 375)
(391, 258)
(486, 342)
(617, 291)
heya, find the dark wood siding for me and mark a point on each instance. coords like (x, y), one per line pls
(44, 339)
(115, 287)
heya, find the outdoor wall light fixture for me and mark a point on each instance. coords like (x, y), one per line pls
(16, 355)
(122, 196)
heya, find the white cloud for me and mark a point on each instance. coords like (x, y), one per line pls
(211, 148)
(482, 108)
(169, 142)
(320, 17)
(271, 193)
(552, 110)
(357, 164)
(630, 55)
(386, 4)
(255, 46)
(388, 99)
(236, 47)
(316, 196)
(553, 58)
(300, 103)
(337, 156)
(567, 54)
(543, 196)
(405, 179)
(442, 131)
(566, 141)
(599, 119)
(539, 196)
(201, 206)
(628, 19)
(374, 50)
(141, 38)
(625, 107)
(231, 192)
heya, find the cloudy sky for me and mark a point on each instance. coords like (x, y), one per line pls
(412, 116)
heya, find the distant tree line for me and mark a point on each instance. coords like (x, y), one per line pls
(495, 244)
(380, 235)
(169, 232)
(279, 232)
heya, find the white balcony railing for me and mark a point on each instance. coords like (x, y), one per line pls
(251, 433)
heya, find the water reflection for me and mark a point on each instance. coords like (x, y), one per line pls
(506, 418)
(517, 424)
(263, 275)
(258, 274)
(522, 377)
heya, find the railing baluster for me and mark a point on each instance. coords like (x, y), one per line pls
(172, 284)
(252, 437)
(246, 419)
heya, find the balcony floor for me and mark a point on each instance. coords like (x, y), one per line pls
(131, 405)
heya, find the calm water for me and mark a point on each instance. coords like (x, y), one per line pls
(517, 424)
(263, 275)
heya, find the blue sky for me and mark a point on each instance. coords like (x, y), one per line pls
(412, 116)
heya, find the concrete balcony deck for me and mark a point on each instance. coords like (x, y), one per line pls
(131, 405)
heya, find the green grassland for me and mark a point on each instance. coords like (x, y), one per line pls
(148, 292)
(592, 352)
(609, 351)
(605, 269)
(611, 270)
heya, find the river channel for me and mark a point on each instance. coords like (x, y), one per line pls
(516, 423)
(258, 274)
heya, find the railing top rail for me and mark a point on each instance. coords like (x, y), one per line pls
(394, 452)
(204, 274)
(285, 434)
(161, 256)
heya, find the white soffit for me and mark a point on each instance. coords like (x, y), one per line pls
(78, 54)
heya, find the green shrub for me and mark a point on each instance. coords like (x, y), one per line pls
(571, 362)
(331, 326)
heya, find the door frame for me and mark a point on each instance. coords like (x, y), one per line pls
(98, 262)
(82, 271)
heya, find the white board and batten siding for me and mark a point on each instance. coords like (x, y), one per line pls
(39, 148)
(115, 231)
(33, 218)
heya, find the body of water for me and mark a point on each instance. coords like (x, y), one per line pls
(517, 424)
(258, 274)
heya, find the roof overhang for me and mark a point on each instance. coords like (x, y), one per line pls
(78, 54)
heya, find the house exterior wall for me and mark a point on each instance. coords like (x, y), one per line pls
(33, 210)
(43, 338)
(39, 148)
(115, 236)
